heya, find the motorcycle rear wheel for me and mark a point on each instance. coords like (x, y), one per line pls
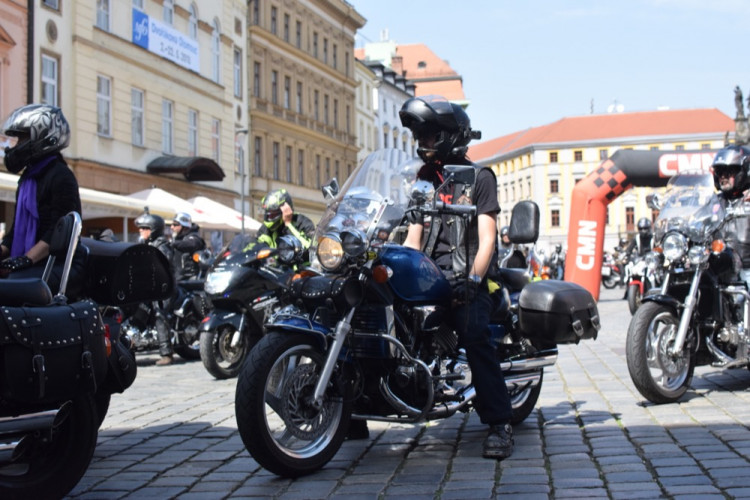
(189, 346)
(634, 298)
(51, 468)
(220, 358)
(659, 376)
(524, 400)
(280, 427)
(611, 281)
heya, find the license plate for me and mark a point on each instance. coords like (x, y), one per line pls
(606, 271)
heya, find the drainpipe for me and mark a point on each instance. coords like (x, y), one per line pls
(30, 55)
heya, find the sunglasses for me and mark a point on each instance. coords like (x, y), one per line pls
(176, 224)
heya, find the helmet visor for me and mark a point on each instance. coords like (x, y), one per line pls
(272, 215)
(726, 170)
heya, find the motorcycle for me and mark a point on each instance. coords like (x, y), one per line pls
(244, 288)
(61, 362)
(368, 338)
(699, 314)
(643, 275)
(612, 273)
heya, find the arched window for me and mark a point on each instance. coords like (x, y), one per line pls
(215, 52)
(193, 23)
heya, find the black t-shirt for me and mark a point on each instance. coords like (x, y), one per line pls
(485, 198)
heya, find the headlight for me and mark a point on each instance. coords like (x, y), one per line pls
(354, 242)
(290, 249)
(330, 252)
(675, 246)
(217, 281)
(697, 254)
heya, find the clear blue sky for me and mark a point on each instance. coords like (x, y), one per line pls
(530, 63)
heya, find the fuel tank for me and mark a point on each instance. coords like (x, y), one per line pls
(416, 278)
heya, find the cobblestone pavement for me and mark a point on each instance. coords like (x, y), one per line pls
(173, 435)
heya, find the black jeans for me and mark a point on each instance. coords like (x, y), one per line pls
(471, 323)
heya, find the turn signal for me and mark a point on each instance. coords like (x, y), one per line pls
(264, 253)
(718, 246)
(381, 274)
(107, 341)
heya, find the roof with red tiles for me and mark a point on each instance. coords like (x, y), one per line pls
(430, 73)
(609, 126)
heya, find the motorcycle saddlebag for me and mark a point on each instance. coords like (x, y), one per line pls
(127, 273)
(51, 353)
(557, 311)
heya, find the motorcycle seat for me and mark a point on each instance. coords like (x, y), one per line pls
(25, 292)
(514, 279)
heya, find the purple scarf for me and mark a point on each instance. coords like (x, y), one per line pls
(27, 215)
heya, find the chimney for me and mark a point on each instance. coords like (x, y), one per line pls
(397, 64)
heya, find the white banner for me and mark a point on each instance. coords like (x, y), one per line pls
(165, 41)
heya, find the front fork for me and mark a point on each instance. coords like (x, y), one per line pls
(343, 327)
(687, 313)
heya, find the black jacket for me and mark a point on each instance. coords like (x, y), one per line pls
(184, 246)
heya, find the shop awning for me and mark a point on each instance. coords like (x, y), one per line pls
(194, 168)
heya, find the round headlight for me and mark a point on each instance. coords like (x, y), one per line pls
(674, 246)
(290, 248)
(330, 253)
(217, 282)
(354, 242)
(697, 254)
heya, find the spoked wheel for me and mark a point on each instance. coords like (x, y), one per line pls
(634, 298)
(281, 426)
(49, 463)
(659, 375)
(222, 359)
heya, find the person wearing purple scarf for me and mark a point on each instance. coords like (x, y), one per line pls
(47, 188)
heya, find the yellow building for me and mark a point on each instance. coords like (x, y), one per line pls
(302, 98)
(154, 90)
(544, 163)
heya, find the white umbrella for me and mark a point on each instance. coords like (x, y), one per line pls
(211, 210)
(165, 204)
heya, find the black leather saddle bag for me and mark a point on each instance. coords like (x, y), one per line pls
(51, 353)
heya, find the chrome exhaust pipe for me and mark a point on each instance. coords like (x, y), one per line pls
(541, 359)
(13, 430)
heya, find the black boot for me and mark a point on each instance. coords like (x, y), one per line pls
(499, 442)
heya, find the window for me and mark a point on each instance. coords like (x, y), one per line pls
(138, 4)
(192, 131)
(193, 23)
(50, 78)
(216, 140)
(315, 106)
(554, 186)
(315, 45)
(578, 155)
(325, 50)
(287, 92)
(286, 28)
(705, 146)
(215, 52)
(349, 123)
(168, 12)
(335, 57)
(679, 147)
(336, 114)
(553, 157)
(257, 155)
(275, 87)
(256, 79)
(317, 171)
(629, 219)
(167, 126)
(299, 97)
(346, 62)
(555, 217)
(325, 109)
(336, 172)
(654, 148)
(298, 34)
(103, 106)
(256, 12)
(328, 170)
(289, 164)
(301, 167)
(136, 117)
(273, 19)
(276, 161)
(102, 14)
(52, 4)
(603, 154)
(237, 73)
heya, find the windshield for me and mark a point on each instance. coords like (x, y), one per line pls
(374, 198)
(689, 205)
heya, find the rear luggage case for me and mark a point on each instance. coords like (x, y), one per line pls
(557, 311)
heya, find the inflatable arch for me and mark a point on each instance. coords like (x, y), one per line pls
(590, 197)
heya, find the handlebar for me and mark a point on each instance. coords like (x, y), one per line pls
(447, 208)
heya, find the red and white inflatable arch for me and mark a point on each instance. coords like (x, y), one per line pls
(590, 197)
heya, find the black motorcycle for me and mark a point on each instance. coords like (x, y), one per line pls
(700, 313)
(244, 288)
(60, 364)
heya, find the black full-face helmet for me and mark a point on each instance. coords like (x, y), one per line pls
(152, 222)
(42, 130)
(732, 162)
(644, 225)
(441, 128)
(271, 205)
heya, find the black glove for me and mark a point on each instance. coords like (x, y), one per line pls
(414, 215)
(16, 263)
(465, 291)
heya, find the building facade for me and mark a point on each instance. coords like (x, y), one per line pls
(154, 90)
(364, 107)
(544, 163)
(302, 98)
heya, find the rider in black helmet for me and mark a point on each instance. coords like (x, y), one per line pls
(731, 172)
(443, 131)
(642, 243)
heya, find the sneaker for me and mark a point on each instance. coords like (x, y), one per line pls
(165, 360)
(499, 442)
(358, 430)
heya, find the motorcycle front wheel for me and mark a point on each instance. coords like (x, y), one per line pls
(188, 344)
(219, 356)
(49, 463)
(660, 376)
(634, 298)
(281, 427)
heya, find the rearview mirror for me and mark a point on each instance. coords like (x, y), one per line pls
(462, 174)
(330, 190)
(653, 201)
